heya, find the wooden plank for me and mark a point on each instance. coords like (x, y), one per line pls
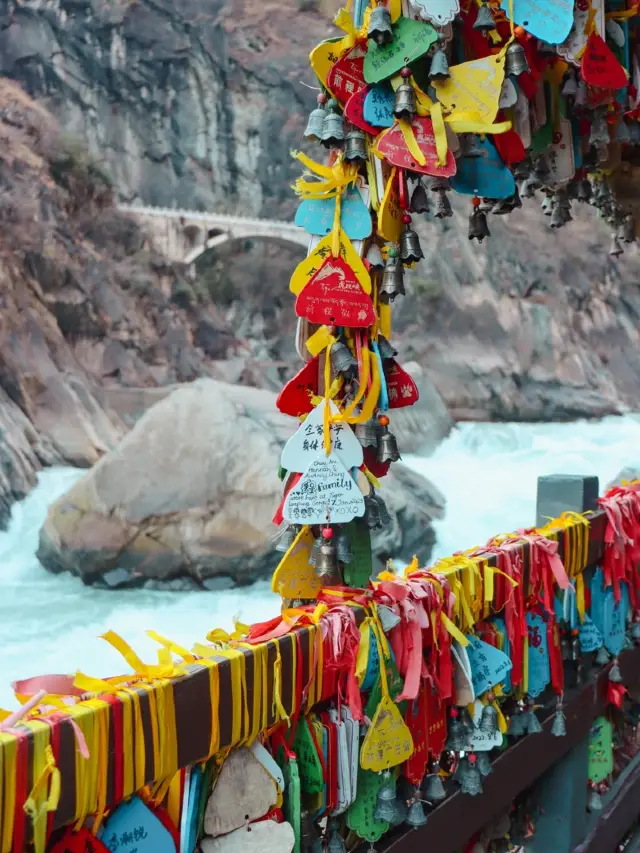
(193, 725)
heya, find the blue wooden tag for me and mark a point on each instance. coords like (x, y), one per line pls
(188, 838)
(539, 672)
(134, 827)
(558, 608)
(589, 635)
(484, 176)
(597, 599)
(506, 648)
(373, 664)
(489, 665)
(547, 20)
(615, 619)
(378, 106)
(316, 215)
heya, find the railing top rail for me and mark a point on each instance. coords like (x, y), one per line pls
(222, 218)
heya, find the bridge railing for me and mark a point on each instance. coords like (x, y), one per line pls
(211, 714)
(220, 218)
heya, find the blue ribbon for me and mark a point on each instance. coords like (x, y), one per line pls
(383, 401)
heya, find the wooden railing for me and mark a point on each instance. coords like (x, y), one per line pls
(451, 823)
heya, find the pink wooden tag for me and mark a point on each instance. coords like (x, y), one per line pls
(394, 148)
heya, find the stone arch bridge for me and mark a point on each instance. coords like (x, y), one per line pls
(183, 235)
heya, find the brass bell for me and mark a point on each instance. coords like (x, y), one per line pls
(326, 564)
(392, 282)
(355, 146)
(342, 361)
(380, 29)
(419, 199)
(374, 256)
(387, 444)
(333, 126)
(443, 206)
(405, 103)
(469, 145)
(478, 227)
(287, 539)
(315, 123)
(484, 21)
(439, 69)
(386, 349)
(616, 249)
(367, 433)
(410, 248)
(515, 62)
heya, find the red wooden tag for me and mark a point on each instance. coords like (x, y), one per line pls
(334, 296)
(165, 819)
(295, 397)
(394, 148)
(378, 469)
(509, 145)
(401, 388)
(354, 112)
(600, 67)
(274, 815)
(79, 842)
(416, 719)
(437, 720)
(346, 77)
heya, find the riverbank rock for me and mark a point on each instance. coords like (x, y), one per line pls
(186, 500)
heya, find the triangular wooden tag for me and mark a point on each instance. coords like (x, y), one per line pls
(327, 492)
(347, 74)
(335, 296)
(295, 397)
(401, 388)
(295, 577)
(243, 788)
(394, 149)
(388, 741)
(309, 267)
(600, 68)
(473, 88)
(305, 444)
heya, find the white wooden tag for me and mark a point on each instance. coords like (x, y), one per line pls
(522, 118)
(560, 157)
(244, 788)
(327, 493)
(572, 46)
(307, 442)
(481, 742)
(264, 837)
(462, 675)
(440, 12)
(508, 94)
(344, 776)
(268, 762)
(353, 745)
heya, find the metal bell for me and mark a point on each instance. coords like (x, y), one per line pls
(569, 85)
(615, 676)
(440, 184)
(387, 446)
(599, 133)
(469, 777)
(622, 134)
(315, 122)
(434, 790)
(515, 62)
(387, 792)
(439, 69)
(405, 103)
(457, 740)
(627, 233)
(527, 188)
(388, 618)
(336, 841)
(326, 563)
(615, 249)
(342, 361)
(374, 256)
(469, 145)
(367, 432)
(372, 513)
(383, 512)
(531, 722)
(416, 816)
(443, 206)
(478, 227)
(517, 724)
(557, 217)
(486, 205)
(401, 811)
(488, 720)
(419, 199)
(594, 801)
(559, 727)
(385, 349)
(410, 249)
(581, 94)
(287, 539)
(355, 146)
(392, 283)
(484, 21)
(333, 126)
(343, 549)
(380, 29)
(602, 656)
(584, 190)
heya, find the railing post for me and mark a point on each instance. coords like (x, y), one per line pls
(562, 791)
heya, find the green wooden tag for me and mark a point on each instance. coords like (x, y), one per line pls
(542, 138)
(600, 750)
(411, 39)
(395, 682)
(359, 570)
(360, 815)
(282, 472)
(209, 776)
(309, 766)
(292, 797)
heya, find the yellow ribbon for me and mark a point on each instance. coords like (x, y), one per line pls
(332, 180)
(45, 794)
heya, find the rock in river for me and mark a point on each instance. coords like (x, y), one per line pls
(186, 499)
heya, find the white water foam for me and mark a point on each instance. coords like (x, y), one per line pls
(487, 472)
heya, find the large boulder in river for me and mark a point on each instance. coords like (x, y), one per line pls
(187, 498)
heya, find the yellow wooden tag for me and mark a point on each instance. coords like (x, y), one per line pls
(295, 577)
(323, 58)
(312, 263)
(473, 88)
(388, 741)
(390, 215)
